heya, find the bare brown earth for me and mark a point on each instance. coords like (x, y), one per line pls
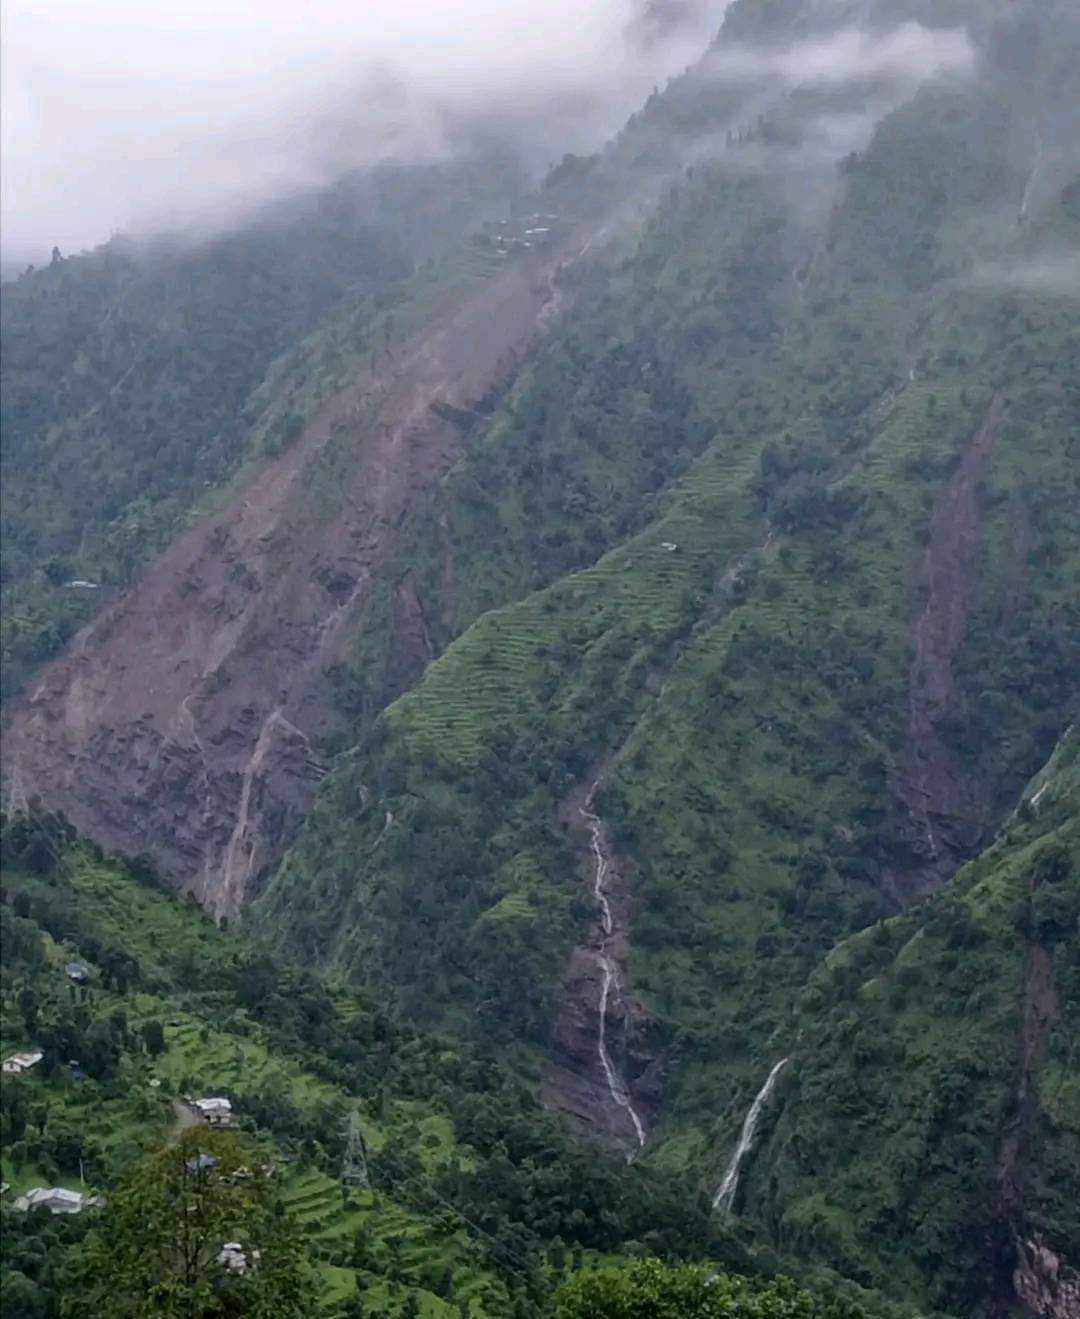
(573, 1079)
(939, 801)
(179, 722)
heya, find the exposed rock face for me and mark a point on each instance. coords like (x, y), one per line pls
(604, 1071)
(1039, 1274)
(938, 803)
(1044, 1282)
(178, 723)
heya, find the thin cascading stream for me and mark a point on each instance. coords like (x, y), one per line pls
(608, 970)
(724, 1199)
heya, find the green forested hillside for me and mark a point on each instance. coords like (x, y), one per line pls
(479, 1204)
(797, 399)
(732, 743)
(829, 437)
(934, 1073)
(132, 374)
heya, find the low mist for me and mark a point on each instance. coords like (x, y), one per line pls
(123, 116)
(909, 53)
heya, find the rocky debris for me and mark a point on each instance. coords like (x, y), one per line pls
(1044, 1282)
(574, 1082)
(938, 803)
(619, 1107)
(1040, 1011)
(178, 724)
(412, 648)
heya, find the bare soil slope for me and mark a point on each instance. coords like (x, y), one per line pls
(941, 804)
(178, 723)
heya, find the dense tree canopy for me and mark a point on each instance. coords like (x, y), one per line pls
(159, 1247)
(650, 1289)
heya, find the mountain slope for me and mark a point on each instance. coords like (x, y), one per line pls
(928, 1123)
(840, 457)
(477, 1203)
(639, 646)
(224, 641)
(133, 376)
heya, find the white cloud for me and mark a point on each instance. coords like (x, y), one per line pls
(1053, 276)
(122, 112)
(910, 52)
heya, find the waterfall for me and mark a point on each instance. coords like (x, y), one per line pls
(1029, 186)
(615, 1084)
(609, 972)
(724, 1198)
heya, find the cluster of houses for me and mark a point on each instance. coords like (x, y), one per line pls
(508, 236)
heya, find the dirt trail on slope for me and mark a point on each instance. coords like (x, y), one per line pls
(178, 723)
(939, 803)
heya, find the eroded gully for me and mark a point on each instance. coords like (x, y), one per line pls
(609, 971)
(605, 1068)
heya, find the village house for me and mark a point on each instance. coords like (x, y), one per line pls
(79, 972)
(234, 1257)
(215, 1111)
(22, 1062)
(57, 1200)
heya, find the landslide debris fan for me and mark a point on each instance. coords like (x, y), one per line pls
(774, 538)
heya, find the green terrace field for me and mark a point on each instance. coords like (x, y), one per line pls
(173, 973)
(477, 1201)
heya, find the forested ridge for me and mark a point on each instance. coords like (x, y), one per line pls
(135, 376)
(694, 791)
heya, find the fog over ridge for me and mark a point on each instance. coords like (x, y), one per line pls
(124, 117)
(120, 115)
(909, 52)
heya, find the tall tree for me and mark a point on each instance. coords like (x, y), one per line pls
(158, 1249)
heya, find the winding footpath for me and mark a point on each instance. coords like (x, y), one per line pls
(608, 970)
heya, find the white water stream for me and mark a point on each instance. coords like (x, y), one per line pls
(1029, 186)
(725, 1195)
(609, 971)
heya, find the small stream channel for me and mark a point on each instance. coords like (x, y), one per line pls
(610, 983)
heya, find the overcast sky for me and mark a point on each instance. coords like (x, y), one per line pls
(126, 114)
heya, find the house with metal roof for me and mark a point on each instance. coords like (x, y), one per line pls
(215, 1110)
(57, 1200)
(22, 1062)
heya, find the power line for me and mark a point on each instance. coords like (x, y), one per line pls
(506, 1251)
